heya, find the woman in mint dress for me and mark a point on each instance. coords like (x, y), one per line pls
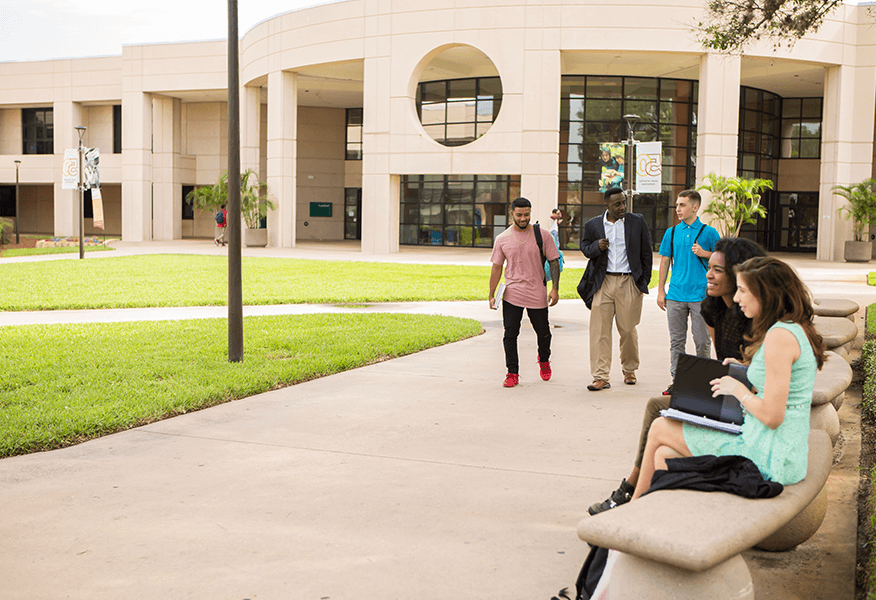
(783, 353)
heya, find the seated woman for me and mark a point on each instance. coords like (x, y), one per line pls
(784, 350)
(727, 326)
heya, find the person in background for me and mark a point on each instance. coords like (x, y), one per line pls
(685, 251)
(618, 273)
(517, 251)
(221, 223)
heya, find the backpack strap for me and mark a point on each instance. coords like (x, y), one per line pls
(704, 263)
(536, 229)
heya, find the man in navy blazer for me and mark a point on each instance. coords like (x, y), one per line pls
(618, 245)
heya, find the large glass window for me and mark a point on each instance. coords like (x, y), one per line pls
(456, 112)
(801, 128)
(37, 131)
(759, 122)
(455, 210)
(592, 129)
(354, 134)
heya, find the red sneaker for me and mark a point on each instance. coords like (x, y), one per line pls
(545, 369)
(511, 379)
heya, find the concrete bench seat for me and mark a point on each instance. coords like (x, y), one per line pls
(828, 395)
(680, 544)
(835, 307)
(837, 332)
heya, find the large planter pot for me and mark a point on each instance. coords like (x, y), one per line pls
(255, 238)
(858, 251)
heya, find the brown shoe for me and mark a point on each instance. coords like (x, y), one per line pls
(630, 377)
(598, 384)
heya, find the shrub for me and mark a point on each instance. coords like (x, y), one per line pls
(6, 229)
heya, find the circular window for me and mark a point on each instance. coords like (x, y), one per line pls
(458, 96)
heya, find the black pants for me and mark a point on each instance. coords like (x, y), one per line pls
(511, 317)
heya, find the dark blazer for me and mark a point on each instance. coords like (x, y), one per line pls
(639, 253)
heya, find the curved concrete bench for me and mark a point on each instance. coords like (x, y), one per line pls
(828, 395)
(837, 332)
(835, 307)
(683, 544)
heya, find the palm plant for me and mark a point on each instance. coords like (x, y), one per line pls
(254, 200)
(862, 205)
(735, 201)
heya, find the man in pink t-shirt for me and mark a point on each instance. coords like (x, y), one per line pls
(517, 250)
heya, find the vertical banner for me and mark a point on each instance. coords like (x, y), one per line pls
(611, 165)
(649, 167)
(97, 208)
(70, 170)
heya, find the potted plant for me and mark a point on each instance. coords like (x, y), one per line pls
(735, 201)
(254, 203)
(861, 209)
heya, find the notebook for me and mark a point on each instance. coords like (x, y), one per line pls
(500, 293)
(692, 399)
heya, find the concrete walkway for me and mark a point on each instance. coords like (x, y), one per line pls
(419, 477)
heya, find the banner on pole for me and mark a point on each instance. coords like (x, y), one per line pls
(649, 167)
(611, 165)
(90, 170)
(97, 208)
(70, 170)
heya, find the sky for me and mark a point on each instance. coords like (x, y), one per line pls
(53, 29)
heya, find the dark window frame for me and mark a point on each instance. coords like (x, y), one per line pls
(37, 130)
(354, 120)
(483, 93)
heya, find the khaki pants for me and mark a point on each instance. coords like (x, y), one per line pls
(619, 300)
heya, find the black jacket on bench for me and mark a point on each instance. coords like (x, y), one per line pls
(732, 474)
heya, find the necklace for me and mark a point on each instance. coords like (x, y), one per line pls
(525, 237)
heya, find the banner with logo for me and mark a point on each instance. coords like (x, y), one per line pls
(70, 170)
(649, 167)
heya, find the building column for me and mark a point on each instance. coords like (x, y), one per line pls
(846, 150)
(166, 176)
(66, 116)
(542, 72)
(718, 117)
(282, 156)
(380, 188)
(250, 128)
(136, 166)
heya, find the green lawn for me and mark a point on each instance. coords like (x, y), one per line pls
(63, 384)
(11, 252)
(871, 278)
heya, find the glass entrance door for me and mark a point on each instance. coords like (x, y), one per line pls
(794, 222)
(352, 213)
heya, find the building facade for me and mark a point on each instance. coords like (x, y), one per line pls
(409, 122)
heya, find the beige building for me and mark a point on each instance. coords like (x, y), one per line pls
(417, 122)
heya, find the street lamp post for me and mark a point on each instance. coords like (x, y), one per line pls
(631, 142)
(17, 214)
(81, 131)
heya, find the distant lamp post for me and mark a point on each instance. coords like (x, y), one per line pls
(81, 131)
(631, 142)
(17, 214)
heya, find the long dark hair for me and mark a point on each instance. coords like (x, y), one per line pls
(783, 297)
(735, 251)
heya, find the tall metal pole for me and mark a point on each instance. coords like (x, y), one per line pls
(81, 131)
(235, 285)
(17, 214)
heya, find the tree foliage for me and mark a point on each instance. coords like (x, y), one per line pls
(254, 200)
(731, 24)
(862, 205)
(735, 201)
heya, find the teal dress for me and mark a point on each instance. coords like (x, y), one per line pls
(781, 454)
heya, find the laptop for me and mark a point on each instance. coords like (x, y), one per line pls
(692, 399)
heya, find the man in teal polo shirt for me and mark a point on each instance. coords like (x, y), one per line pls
(685, 250)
